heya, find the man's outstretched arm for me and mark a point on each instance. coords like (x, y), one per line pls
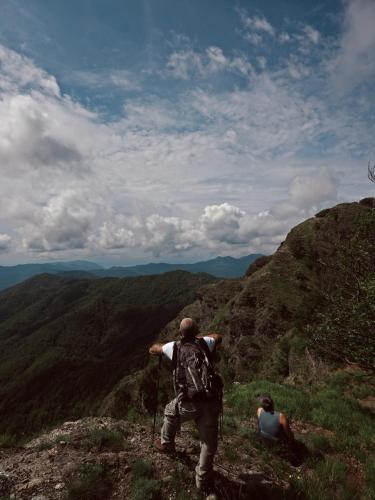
(216, 336)
(156, 349)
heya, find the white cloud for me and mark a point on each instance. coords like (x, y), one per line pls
(253, 38)
(256, 23)
(121, 79)
(5, 242)
(307, 191)
(284, 37)
(19, 73)
(38, 132)
(312, 34)
(355, 61)
(186, 63)
(64, 223)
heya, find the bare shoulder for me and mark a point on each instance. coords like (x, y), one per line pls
(283, 419)
(259, 411)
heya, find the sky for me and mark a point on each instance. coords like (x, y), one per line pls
(178, 130)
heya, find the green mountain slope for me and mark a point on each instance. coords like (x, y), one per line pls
(65, 343)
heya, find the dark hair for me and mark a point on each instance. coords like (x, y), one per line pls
(266, 402)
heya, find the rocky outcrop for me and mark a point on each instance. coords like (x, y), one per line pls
(259, 314)
(103, 458)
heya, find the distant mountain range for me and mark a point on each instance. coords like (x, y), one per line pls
(220, 267)
(11, 275)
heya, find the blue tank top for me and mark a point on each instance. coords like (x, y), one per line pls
(269, 425)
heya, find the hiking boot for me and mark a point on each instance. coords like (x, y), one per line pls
(207, 488)
(164, 447)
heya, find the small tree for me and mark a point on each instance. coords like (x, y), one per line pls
(371, 172)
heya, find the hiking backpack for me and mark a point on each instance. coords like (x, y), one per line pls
(194, 374)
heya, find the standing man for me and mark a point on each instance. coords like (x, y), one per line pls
(198, 394)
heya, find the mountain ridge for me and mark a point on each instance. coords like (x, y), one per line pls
(220, 267)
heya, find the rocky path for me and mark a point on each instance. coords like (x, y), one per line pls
(47, 467)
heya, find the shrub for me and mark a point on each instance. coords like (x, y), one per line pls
(230, 453)
(144, 486)
(104, 438)
(7, 440)
(93, 483)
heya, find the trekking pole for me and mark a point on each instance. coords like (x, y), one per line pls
(156, 399)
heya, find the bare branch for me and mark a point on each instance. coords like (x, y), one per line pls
(371, 172)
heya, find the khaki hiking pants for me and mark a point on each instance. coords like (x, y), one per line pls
(206, 416)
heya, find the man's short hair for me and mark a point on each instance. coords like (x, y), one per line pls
(188, 328)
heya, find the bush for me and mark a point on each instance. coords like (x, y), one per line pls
(93, 483)
(7, 440)
(143, 485)
(230, 454)
(104, 438)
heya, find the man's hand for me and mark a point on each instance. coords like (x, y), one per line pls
(156, 349)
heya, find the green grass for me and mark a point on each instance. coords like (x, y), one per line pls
(328, 481)
(230, 453)
(178, 484)
(62, 437)
(7, 440)
(331, 407)
(143, 485)
(104, 439)
(92, 483)
(244, 401)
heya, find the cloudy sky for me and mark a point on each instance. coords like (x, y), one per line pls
(177, 130)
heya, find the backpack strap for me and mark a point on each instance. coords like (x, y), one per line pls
(175, 355)
(203, 344)
(175, 361)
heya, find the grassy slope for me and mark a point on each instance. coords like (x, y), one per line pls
(333, 422)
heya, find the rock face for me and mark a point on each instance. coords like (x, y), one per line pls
(280, 293)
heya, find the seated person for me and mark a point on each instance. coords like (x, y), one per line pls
(272, 425)
(274, 430)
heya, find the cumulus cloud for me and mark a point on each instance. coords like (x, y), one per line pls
(64, 223)
(33, 136)
(5, 242)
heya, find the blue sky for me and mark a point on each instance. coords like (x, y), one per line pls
(178, 130)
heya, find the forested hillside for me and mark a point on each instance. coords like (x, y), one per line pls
(65, 343)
